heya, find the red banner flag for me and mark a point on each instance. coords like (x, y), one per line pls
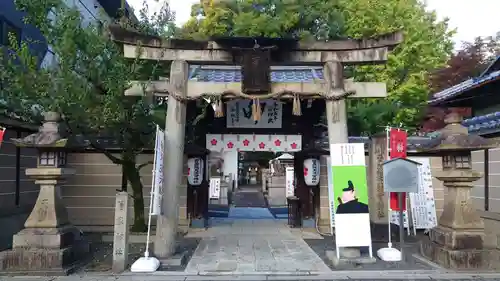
(2, 133)
(398, 141)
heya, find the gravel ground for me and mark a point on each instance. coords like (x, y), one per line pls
(102, 254)
(320, 246)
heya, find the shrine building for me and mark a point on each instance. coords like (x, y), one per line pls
(253, 82)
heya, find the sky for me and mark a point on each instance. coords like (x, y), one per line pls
(470, 18)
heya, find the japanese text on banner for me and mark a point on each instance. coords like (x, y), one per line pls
(398, 140)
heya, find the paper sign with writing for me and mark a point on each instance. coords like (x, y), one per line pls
(240, 115)
(214, 188)
(290, 182)
(423, 205)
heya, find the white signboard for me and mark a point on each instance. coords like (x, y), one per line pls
(331, 195)
(352, 217)
(290, 182)
(239, 114)
(423, 205)
(157, 186)
(311, 171)
(214, 189)
(347, 154)
(195, 170)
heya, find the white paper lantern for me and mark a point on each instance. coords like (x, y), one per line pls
(311, 171)
(195, 171)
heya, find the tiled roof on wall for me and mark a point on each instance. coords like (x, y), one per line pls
(227, 74)
(464, 87)
(485, 124)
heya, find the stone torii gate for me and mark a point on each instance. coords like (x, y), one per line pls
(332, 56)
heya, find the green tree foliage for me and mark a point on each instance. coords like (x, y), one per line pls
(427, 46)
(85, 85)
(305, 19)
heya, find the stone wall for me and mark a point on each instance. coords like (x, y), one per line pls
(491, 228)
(13, 214)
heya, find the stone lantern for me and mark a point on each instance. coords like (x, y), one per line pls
(458, 240)
(48, 243)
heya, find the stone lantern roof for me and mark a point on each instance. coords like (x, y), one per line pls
(49, 135)
(455, 138)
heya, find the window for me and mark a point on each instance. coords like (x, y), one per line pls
(447, 164)
(47, 158)
(61, 159)
(7, 29)
(463, 162)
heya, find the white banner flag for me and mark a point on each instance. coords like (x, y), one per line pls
(157, 186)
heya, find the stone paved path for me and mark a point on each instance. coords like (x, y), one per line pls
(249, 196)
(252, 246)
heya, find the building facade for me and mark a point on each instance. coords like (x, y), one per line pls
(480, 94)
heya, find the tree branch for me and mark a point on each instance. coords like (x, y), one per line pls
(140, 166)
(94, 145)
(108, 154)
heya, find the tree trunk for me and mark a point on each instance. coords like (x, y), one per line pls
(133, 177)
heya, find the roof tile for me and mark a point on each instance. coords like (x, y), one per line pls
(278, 75)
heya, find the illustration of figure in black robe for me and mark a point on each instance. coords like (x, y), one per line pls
(349, 204)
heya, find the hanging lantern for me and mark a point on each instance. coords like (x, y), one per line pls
(195, 171)
(311, 171)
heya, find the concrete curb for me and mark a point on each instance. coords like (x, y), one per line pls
(335, 275)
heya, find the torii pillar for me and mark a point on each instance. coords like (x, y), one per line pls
(175, 123)
(336, 110)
